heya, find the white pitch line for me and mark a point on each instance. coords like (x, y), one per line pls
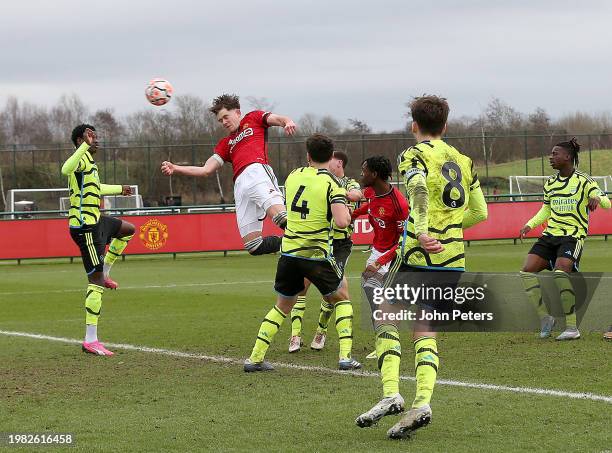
(233, 361)
(169, 285)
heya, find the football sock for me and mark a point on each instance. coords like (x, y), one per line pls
(324, 316)
(267, 330)
(344, 327)
(115, 249)
(91, 333)
(297, 314)
(426, 363)
(389, 353)
(93, 304)
(534, 292)
(567, 296)
(262, 246)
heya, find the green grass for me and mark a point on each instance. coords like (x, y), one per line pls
(137, 401)
(601, 165)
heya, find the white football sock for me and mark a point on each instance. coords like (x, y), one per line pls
(91, 333)
(106, 269)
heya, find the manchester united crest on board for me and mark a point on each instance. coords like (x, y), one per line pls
(154, 234)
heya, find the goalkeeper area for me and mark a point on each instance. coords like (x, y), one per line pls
(180, 330)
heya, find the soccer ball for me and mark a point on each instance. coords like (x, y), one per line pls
(159, 92)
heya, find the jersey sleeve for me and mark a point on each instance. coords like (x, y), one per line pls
(594, 191)
(411, 163)
(352, 185)
(75, 162)
(475, 183)
(259, 117)
(337, 193)
(222, 150)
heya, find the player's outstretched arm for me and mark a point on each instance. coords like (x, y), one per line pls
(283, 121)
(538, 219)
(72, 163)
(113, 189)
(477, 209)
(209, 168)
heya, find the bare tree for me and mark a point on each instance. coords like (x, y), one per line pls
(260, 103)
(308, 124)
(358, 127)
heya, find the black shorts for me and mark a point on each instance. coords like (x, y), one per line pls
(342, 250)
(291, 271)
(92, 241)
(552, 247)
(435, 285)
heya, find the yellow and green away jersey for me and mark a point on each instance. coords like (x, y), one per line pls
(84, 185)
(85, 188)
(310, 193)
(349, 184)
(568, 199)
(450, 177)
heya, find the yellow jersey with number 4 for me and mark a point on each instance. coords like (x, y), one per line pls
(310, 192)
(450, 177)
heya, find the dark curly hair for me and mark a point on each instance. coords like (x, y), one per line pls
(78, 132)
(381, 165)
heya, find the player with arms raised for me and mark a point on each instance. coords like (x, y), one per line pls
(255, 187)
(92, 231)
(440, 183)
(315, 198)
(569, 196)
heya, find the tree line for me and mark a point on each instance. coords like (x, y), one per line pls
(188, 120)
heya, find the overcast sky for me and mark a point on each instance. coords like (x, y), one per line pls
(349, 59)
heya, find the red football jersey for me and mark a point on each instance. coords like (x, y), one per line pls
(248, 144)
(387, 214)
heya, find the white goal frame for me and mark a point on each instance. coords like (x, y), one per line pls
(108, 199)
(604, 182)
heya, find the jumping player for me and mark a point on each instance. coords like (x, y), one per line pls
(92, 231)
(255, 187)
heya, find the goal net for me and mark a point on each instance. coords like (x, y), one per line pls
(522, 185)
(26, 203)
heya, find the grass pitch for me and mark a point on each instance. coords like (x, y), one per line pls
(209, 305)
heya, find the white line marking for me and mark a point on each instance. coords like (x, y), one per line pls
(233, 361)
(169, 285)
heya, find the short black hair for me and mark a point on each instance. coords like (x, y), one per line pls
(225, 101)
(341, 155)
(381, 165)
(572, 147)
(78, 132)
(430, 113)
(320, 148)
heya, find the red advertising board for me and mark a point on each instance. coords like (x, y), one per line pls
(175, 233)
